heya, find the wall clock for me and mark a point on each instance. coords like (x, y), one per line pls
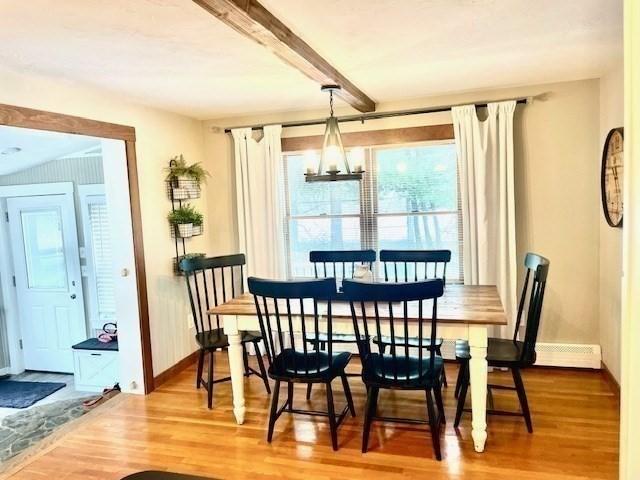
(611, 177)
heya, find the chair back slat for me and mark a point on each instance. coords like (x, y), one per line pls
(340, 260)
(274, 301)
(433, 263)
(206, 285)
(394, 308)
(537, 271)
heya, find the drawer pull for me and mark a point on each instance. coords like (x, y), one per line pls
(96, 354)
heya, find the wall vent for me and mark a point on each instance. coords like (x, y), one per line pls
(552, 354)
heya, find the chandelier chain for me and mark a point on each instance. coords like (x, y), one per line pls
(331, 102)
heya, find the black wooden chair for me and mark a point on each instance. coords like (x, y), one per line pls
(284, 308)
(209, 282)
(339, 264)
(411, 266)
(511, 353)
(406, 368)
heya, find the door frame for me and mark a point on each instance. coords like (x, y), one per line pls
(7, 263)
(15, 116)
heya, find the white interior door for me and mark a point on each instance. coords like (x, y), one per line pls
(44, 244)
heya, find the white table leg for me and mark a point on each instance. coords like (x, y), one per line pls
(478, 372)
(236, 366)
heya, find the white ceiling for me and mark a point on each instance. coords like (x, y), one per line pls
(173, 55)
(37, 147)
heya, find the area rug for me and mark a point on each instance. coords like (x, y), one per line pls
(23, 429)
(24, 394)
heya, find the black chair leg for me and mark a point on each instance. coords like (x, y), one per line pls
(347, 393)
(245, 359)
(462, 396)
(435, 426)
(290, 395)
(263, 372)
(309, 385)
(322, 346)
(383, 348)
(210, 382)
(461, 368)
(438, 394)
(333, 426)
(200, 367)
(274, 410)
(369, 412)
(522, 396)
(444, 373)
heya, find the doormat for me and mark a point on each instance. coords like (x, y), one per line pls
(24, 394)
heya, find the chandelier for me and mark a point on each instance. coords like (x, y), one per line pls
(333, 165)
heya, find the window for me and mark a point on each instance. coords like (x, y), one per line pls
(98, 255)
(408, 199)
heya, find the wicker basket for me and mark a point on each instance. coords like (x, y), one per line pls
(185, 230)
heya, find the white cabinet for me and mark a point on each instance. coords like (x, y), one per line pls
(95, 370)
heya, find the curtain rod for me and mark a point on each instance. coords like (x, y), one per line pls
(375, 116)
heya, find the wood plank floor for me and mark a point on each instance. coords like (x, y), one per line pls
(575, 416)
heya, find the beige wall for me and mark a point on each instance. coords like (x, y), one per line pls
(160, 135)
(557, 189)
(611, 116)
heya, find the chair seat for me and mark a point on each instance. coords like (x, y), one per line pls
(411, 341)
(335, 338)
(216, 338)
(385, 371)
(292, 365)
(500, 352)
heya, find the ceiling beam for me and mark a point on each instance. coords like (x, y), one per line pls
(252, 20)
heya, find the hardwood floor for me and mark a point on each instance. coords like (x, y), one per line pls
(575, 417)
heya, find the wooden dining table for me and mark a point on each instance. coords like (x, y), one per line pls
(464, 312)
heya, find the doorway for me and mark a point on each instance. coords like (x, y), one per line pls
(118, 147)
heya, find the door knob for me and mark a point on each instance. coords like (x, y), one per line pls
(73, 296)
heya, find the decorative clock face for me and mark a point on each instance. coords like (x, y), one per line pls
(612, 176)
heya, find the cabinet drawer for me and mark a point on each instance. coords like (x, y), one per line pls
(95, 370)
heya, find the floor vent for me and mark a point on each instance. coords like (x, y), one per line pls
(552, 354)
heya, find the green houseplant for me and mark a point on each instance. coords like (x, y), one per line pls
(198, 220)
(185, 179)
(186, 256)
(184, 218)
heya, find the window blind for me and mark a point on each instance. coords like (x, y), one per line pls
(407, 199)
(102, 260)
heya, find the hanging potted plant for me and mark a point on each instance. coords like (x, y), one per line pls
(183, 219)
(186, 256)
(198, 220)
(185, 179)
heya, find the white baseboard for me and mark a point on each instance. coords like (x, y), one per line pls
(552, 354)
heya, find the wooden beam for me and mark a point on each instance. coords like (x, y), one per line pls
(251, 19)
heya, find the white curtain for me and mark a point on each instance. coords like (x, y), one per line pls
(258, 167)
(485, 159)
